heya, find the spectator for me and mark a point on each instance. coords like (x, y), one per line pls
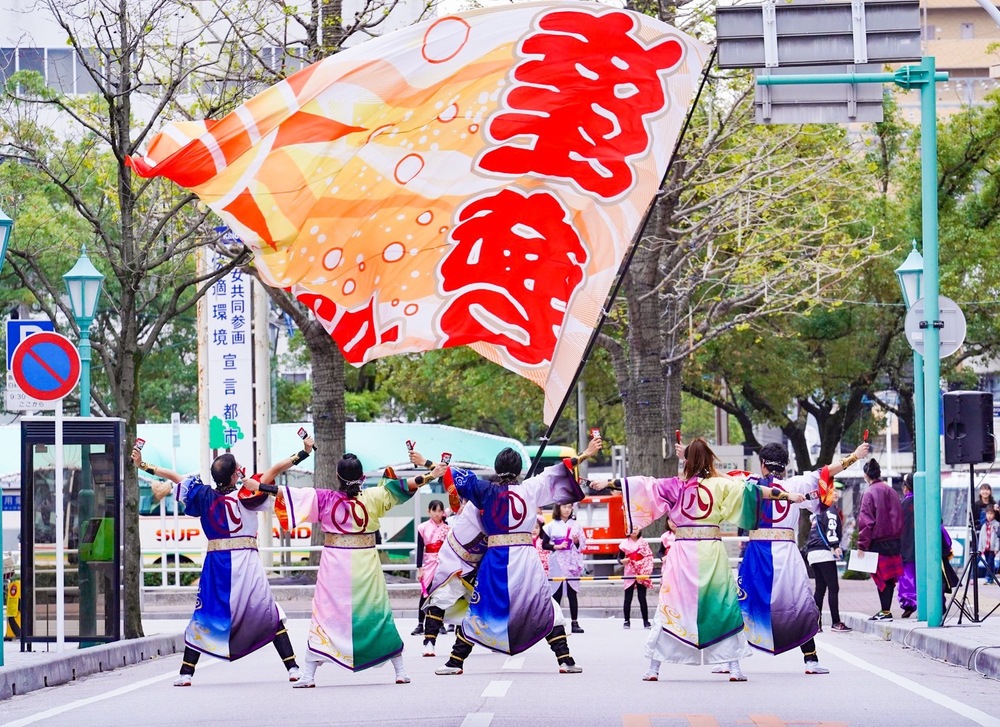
(989, 542)
(908, 581)
(984, 503)
(822, 552)
(880, 528)
(667, 540)
(637, 560)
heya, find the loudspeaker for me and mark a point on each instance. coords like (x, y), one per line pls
(968, 427)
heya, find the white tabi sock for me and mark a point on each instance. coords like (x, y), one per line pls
(654, 666)
(397, 664)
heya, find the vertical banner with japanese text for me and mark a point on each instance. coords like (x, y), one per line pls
(226, 317)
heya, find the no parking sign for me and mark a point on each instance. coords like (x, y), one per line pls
(46, 366)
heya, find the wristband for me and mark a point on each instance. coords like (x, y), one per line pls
(778, 494)
(418, 480)
(269, 489)
(302, 454)
(848, 461)
(574, 460)
(429, 465)
(148, 468)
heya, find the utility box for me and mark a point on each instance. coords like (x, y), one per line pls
(93, 506)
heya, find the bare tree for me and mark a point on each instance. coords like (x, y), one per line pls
(753, 221)
(136, 61)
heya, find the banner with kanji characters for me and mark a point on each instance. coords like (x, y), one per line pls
(474, 180)
(226, 317)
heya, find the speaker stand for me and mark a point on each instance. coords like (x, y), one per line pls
(970, 574)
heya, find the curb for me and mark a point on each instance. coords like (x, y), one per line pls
(83, 662)
(969, 646)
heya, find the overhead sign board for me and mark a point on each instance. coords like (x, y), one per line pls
(796, 33)
(830, 103)
(952, 333)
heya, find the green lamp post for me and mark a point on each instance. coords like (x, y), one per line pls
(84, 284)
(910, 275)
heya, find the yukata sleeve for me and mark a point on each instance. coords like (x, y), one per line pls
(555, 484)
(805, 484)
(466, 484)
(386, 495)
(195, 495)
(647, 499)
(738, 500)
(296, 506)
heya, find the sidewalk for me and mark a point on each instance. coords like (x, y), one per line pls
(973, 646)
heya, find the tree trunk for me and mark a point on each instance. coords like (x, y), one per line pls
(329, 413)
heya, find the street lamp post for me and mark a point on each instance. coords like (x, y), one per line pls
(6, 224)
(910, 275)
(84, 283)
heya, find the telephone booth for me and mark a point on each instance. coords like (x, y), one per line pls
(93, 500)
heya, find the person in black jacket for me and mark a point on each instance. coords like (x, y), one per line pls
(907, 594)
(823, 551)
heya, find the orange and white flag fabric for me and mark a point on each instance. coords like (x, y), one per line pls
(474, 180)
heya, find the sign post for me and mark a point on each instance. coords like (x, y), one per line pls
(46, 366)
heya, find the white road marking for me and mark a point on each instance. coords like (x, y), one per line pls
(478, 719)
(496, 689)
(513, 662)
(922, 690)
(98, 697)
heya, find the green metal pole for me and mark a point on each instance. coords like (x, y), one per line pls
(919, 484)
(88, 588)
(931, 567)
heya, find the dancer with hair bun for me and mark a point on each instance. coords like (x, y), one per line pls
(511, 608)
(352, 622)
(698, 620)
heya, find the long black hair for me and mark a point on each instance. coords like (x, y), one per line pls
(507, 466)
(351, 475)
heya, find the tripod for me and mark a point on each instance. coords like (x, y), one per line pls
(970, 574)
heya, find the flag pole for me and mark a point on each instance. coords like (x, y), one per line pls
(623, 268)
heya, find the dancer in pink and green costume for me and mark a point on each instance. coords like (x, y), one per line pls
(352, 622)
(698, 619)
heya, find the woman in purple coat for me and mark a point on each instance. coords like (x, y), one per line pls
(880, 529)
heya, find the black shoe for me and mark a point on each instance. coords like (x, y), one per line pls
(627, 625)
(841, 627)
(451, 628)
(647, 625)
(576, 628)
(907, 612)
(882, 616)
(418, 630)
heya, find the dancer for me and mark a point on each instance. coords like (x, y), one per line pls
(430, 536)
(352, 622)
(698, 620)
(880, 528)
(236, 612)
(778, 603)
(511, 610)
(907, 585)
(451, 584)
(566, 541)
(637, 560)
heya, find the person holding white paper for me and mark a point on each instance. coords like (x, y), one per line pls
(880, 530)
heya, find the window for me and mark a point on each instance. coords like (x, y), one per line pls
(928, 32)
(60, 66)
(31, 59)
(84, 83)
(297, 378)
(8, 63)
(968, 31)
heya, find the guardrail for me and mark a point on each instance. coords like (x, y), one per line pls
(172, 571)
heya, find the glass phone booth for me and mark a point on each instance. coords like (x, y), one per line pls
(93, 503)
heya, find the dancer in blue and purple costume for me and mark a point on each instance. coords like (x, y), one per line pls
(779, 608)
(236, 613)
(512, 609)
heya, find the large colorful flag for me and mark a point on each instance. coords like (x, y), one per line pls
(473, 181)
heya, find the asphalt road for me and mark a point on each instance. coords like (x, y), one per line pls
(871, 683)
